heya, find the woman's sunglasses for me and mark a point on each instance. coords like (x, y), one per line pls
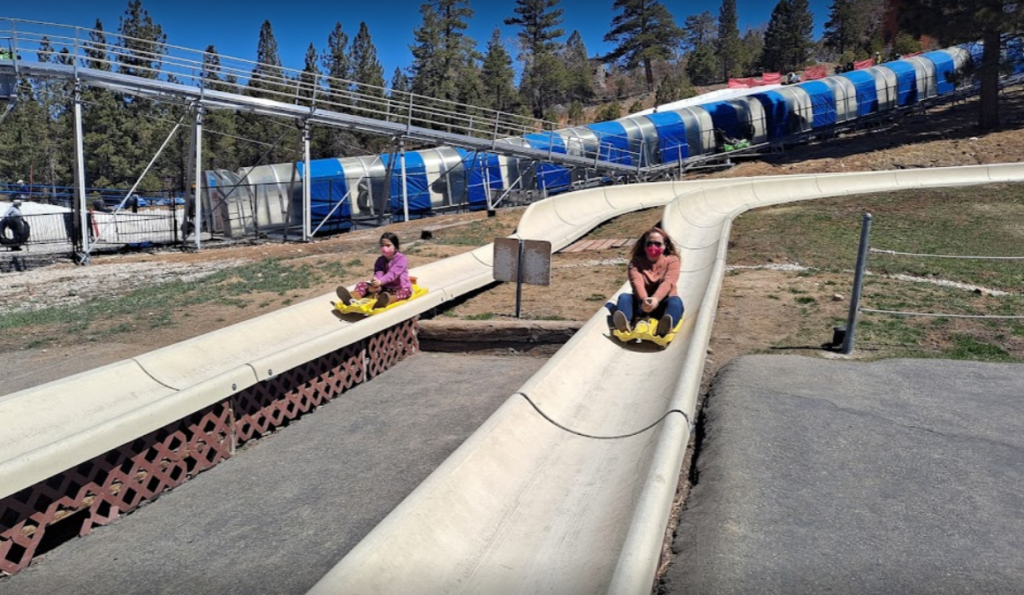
(659, 244)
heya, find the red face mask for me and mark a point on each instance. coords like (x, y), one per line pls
(654, 252)
(387, 251)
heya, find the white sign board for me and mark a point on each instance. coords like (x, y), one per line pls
(536, 261)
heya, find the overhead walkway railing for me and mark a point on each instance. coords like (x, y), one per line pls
(145, 68)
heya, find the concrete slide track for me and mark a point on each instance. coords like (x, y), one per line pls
(525, 506)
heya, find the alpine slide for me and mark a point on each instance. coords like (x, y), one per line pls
(566, 488)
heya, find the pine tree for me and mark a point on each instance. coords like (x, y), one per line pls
(21, 142)
(142, 42)
(498, 77)
(644, 31)
(608, 112)
(443, 56)
(699, 30)
(310, 77)
(45, 52)
(96, 49)
(50, 163)
(219, 151)
(268, 75)
(674, 87)
(539, 20)
(366, 70)
(141, 45)
(579, 81)
(103, 132)
(730, 48)
(337, 65)
(702, 65)
(469, 90)
(787, 41)
(400, 82)
(267, 80)
(954, 22)
(543, 80)
(753, 47)
(846, 26)
(576, 114)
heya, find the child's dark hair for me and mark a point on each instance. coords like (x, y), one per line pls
(387, 235)
(639, 247)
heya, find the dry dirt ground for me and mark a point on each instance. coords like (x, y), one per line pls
(581, 282)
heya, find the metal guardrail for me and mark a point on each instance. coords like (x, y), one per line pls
(162, 68)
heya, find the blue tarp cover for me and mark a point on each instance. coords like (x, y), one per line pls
(776, 113)
(613, 141)
(975, 49)
(1015, 54)
(823, 103)
(416, 186)
(482, 169)
(944, 68)
(867, 92)
(327, 188)
(726, 118)
(550, 177)
(671, 136)
(906, 81)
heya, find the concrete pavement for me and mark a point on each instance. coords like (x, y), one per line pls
(286, 508)
(899, 476)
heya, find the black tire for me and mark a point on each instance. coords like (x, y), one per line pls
(14, 231)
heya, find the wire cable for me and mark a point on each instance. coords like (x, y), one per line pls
(936, 315)
(957, 256)
(596, 437)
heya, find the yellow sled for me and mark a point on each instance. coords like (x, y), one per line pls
(365, 307)
(644, 331)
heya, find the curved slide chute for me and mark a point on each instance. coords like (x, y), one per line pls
(567, 487)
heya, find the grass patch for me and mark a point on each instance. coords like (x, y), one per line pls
(824, 234)
(967, 347)
(482, 316)
(153, 305)
(480, 232)
(595, 297)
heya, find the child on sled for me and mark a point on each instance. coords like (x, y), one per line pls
(390, 281)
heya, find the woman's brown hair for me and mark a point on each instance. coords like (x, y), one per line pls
(641, 244)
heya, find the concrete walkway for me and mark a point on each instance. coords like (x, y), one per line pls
(900, 476)
(279, 515)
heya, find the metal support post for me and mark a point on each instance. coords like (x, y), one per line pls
(197, 192)
(306, 185)
(83, 211)
(519, 280)
(408, 122)
(858, 283)
(405, 184)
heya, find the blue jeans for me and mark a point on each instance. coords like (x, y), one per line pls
(672, 305)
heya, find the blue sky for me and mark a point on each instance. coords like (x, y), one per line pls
(234, 26)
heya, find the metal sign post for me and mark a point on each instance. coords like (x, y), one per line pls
(858, 284)
(522, 261)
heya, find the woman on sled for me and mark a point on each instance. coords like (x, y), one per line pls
(653, 274)
(390, 281)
